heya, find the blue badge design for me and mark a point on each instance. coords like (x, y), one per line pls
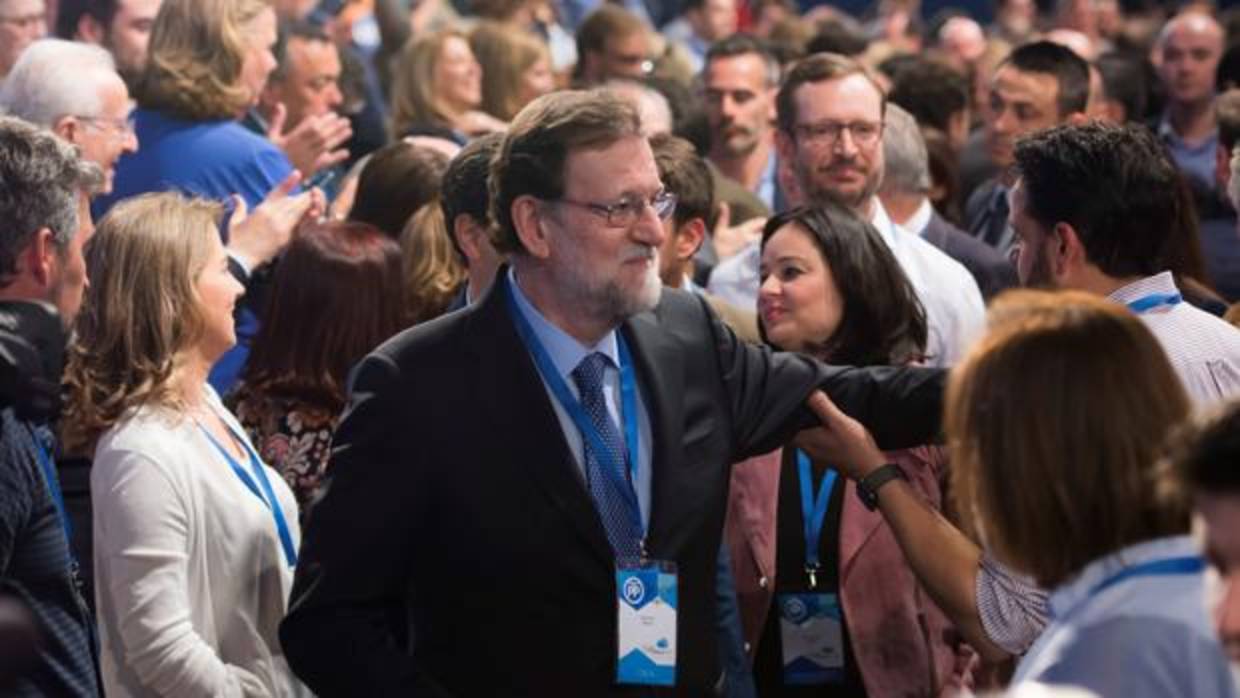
(646, 623)
(811, 634)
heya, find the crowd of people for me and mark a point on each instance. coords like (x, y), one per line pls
(575, 348)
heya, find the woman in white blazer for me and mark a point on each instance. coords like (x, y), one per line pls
(194, 538)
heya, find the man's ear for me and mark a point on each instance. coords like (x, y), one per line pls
(38, 258)
(527, 217)
(1066, 250)
(1077, 118)
(689, 237)
(785, 146)
(467, 233)
(68, 127)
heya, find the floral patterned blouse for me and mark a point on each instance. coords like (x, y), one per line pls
(291, 436)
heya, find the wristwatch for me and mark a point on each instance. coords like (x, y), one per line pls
(868, 486)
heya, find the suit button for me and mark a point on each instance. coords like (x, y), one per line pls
(748, 648)
(763, 582)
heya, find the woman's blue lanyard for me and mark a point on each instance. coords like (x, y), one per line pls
(813, 513)
(273, 504)
(53, 483)
(1188, 564)
(628, 407)
(1154, 300)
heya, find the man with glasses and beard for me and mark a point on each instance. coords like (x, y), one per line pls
(519, 486)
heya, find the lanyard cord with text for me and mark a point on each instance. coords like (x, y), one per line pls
(813, 513)
(1188, 564)
(571, 405)
(1147, 303)
(273, 504)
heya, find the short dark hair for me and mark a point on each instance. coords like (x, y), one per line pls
(609, 21)
(349, 271)
(741, 44)
(531, 158)
(1206, 451)
(835, 36)
(685, 174)
(820, 67)
(1123, 80)
(294, 29)
(883, 321)
(1070, 71)
(464, 191)
(70, 13)
(1114, 184)
(399, 179)
(929, 90)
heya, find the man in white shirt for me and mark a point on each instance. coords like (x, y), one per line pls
(830, 131)
(1092, 208)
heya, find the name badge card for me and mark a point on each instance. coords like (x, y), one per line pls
(812, 638)
(646, 609)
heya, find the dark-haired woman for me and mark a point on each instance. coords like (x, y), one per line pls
(336, 295)
(827, 601)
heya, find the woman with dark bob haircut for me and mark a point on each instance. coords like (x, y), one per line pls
(831, 288)
(336, 295)
(1057, 423)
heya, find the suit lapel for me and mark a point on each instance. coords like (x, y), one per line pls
(660, 373)
(519, 414)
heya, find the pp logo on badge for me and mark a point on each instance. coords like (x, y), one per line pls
(634, 590)
(795, 610)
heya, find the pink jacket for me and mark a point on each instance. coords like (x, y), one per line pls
(903, 644)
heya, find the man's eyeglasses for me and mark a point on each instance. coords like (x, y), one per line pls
(627, 211)
(119, 127)
(864, 133)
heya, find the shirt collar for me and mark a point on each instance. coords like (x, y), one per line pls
(880, 220)
(1168, 133)
(920, 220)
(1162, 283)
(1072, 593)
(565, 351)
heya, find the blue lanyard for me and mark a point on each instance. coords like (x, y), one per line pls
(813, 512)
(1154, 300)
(1189, 564)
(273, 504)
(628, 402)
(53, 483)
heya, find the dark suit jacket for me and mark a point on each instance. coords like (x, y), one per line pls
(989, 267)
(456, 512)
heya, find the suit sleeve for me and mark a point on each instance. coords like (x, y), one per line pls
(345, 631)
(900, 406)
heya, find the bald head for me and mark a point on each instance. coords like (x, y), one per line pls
(1189, 49)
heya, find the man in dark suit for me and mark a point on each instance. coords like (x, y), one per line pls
(1039, 85)
(904, 193)
(484, 503)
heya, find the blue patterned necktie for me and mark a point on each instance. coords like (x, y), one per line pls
(622, 528)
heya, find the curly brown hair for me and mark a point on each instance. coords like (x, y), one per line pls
(139, 314)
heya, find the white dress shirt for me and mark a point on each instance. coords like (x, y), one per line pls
(955, 311)
(192, 581)
(1204, 350)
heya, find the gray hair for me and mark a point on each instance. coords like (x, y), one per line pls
(907, 169)
(55, 78)
(652, 107)
(41, 178)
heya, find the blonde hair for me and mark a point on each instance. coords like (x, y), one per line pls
(433, 271)
(195, 57)
(1056, 422)
(505, 55)
(414, 100)
(140, 312)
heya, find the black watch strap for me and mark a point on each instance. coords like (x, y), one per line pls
(868, 486)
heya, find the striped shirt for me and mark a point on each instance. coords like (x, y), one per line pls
(1203, 350)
